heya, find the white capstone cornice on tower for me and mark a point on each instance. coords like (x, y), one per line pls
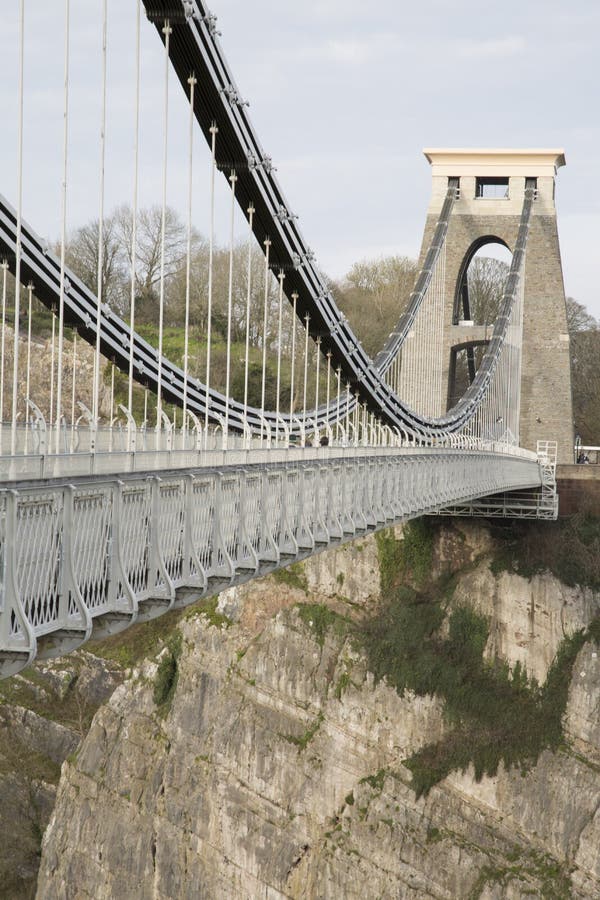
(472, 165)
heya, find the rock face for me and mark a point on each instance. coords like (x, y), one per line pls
(276, 767)
(44, 713)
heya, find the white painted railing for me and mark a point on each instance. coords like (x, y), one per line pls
(91, 555)
(184, 455)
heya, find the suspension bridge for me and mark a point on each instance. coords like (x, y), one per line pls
(233, 470)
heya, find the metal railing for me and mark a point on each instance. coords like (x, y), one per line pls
(92, 555)
(179, 448)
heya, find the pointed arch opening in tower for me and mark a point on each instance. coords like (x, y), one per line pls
(479, 290)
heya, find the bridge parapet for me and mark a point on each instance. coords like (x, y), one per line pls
(91, 556)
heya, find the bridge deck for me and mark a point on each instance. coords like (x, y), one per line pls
(94, 554)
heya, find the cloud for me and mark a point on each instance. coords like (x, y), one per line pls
(353, 51)
(348, 51)
(512, 45)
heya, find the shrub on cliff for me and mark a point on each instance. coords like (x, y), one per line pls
(569, 548)
(167, 673)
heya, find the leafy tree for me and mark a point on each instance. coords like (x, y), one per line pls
(373, 295)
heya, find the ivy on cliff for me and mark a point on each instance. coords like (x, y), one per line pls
(568, 548)
(407, 560)
(495, 715)
(167, 673)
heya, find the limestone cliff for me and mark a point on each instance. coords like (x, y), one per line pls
(44, 713)
(257, 755)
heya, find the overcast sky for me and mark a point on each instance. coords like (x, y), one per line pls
(344, 96)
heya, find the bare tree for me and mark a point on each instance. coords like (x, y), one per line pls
(578, 318)
(82, 258)
(585, 379)
(486, 280)
(585, 371)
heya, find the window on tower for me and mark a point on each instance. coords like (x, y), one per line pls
(491, 188)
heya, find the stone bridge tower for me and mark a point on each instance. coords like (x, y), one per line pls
(492, 184)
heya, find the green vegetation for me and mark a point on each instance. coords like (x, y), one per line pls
(293, 576)
(141, 641)
(13, 753)
(375, 781)
(569, 548)
(342, 683)
(304, 740)
(407, 560)
(173, 349)
(321, 619)
(495, 715)
(526, 865)
(390, 560)
(417, 549)
(41, 319)
(208, 609)
(168, 673)
(168, 669)
(594, 630)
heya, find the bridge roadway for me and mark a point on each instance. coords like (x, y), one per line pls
(88, 556)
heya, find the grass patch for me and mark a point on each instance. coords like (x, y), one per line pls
(131, 646)
(390, 560)
(321, 619)
(17, 758)
(31, 690)
(143, 640)
(208, 608)
(342, 684)
(594, 630)
(393, 642)
(496, 716)
(553, 881)
(293, 576)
